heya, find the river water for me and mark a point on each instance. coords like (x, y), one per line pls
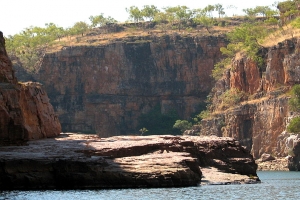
(275, 185)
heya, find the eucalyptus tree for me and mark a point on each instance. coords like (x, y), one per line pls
(250, 12)
(202, 17)
(220, 9)
(97, 20)
(135, 14)
(100, 20)
(56, 32)
(180, 14)
(264, 11)
(209, 10)
(79, 28)
(162, 19)
(149, 12)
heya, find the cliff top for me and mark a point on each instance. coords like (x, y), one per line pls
(121, 32)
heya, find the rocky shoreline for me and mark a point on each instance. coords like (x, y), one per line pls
(79, 161)
(278, 164)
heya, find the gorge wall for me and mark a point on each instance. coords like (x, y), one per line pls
(104, 89)
(25, 111)
(260, 122)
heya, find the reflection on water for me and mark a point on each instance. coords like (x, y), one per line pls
(275, 185)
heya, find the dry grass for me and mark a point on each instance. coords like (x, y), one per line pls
(280, 35)
(103, 39)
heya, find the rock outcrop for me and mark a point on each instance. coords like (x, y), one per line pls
(104, 89)
(259, 123)
(86, 161)
(25, 111)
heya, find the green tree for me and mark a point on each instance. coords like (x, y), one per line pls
(54, 31)
(209, 10)
(162, 19)
(294, 125)
(250, 12)
(294, 102)
(149, 12)
(180, 14)
(135, 14)
(262, 10)
(219, 8)
(294, 105)
(79, 28)
(205, 21)
(111, 20)
(98, 20)
(30, 45)
(288, 8)
(182, 125)
(247, 37)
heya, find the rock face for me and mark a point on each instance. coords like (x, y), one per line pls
(25, 111)
(104, 89)
(87, 161)
(294, 160)
(259, 124)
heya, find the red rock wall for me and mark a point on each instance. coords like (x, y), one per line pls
(104, 89)
(259, 123)
(25, 111)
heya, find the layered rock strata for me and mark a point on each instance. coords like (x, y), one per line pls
(259, 123)
(87, 161)
(25, 110)
(104, 89)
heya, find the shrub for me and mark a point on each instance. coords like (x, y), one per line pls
(204, 114)
(294, 126)
(182, 125)
(294, 102)
(231, 98)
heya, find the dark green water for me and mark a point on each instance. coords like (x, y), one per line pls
(275, 185)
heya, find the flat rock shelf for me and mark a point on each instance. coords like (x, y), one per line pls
(79, 161)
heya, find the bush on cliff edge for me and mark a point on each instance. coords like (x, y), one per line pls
(294, 105)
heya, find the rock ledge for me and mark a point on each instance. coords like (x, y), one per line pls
(73, 161)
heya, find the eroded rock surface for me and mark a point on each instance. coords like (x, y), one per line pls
(260, 121)
(25, 110)
(104, 89)
(87, 161)
(293, 144)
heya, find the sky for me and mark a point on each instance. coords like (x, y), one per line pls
(16, 15)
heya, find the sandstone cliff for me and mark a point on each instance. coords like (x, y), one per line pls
(73, 161)
(25, 111)
(258, 123)
(104, 89)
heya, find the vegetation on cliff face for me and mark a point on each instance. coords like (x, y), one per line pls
(249, 38)
(294, 105)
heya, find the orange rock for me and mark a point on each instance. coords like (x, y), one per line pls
(25, 111)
